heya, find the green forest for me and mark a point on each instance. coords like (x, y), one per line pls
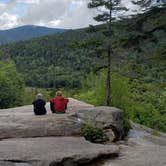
(74, 61)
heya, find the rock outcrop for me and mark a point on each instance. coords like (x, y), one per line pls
(141, 147)
(29, 140)
(23, 124)
(108, 118)
(53, 150)
(38, 126)
(20, 122)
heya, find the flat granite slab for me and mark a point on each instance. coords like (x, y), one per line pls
(73, 106)
(52, 150)
(20, 122)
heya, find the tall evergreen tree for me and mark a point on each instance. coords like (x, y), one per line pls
(107, 10)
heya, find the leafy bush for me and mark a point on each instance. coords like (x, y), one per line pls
(141, 102)
(93, 134)
(11, 85)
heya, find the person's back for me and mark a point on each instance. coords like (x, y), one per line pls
(39, 105)
(59, 104)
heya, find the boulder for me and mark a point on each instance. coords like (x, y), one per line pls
(52, 151)
(39, 126)
(108, 118)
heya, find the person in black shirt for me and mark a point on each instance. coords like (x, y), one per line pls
(39, 105)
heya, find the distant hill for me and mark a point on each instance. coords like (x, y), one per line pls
(26, 32)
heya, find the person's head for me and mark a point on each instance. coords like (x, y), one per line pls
(39, 96)
(58, 93)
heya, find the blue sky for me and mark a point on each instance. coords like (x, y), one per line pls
(4, 1)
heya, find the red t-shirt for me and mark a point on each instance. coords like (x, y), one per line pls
(60, 103)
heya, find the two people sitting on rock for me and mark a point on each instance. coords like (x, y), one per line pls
(58, 104)
(39, 105)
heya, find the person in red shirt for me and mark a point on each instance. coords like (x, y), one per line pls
(58, 104)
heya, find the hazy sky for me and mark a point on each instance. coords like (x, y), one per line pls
(51, 13)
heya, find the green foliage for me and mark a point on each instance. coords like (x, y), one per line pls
(93, 134)
(109, 6)
(55, 65)
(30, 94)
(96, 89)
(140, 52)
(138, 68)
(11, 85)
(139, 101)
(127, 125)
(93, 90)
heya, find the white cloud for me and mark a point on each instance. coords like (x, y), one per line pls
(59, 13)
(79, 17)
(8, 21)
(52, 13)
(45, 11)
(129, 4)
(53, 23)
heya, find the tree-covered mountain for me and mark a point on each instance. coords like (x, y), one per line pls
(26, 32)
(52, 60)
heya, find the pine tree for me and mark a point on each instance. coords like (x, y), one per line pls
(107, 10)
(147, 4)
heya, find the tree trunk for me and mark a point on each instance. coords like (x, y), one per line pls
(107, 99)
(109, 51)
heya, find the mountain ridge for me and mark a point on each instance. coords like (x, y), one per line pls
(26, 32)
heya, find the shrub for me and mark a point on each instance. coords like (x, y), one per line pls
(93, 134)
(11, 85)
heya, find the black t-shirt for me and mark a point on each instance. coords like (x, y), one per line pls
(39, 107)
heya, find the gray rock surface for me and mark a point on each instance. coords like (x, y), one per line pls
(43, 151)
(109, 118)
(18, 126)
(142, 148)
(20, 122)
